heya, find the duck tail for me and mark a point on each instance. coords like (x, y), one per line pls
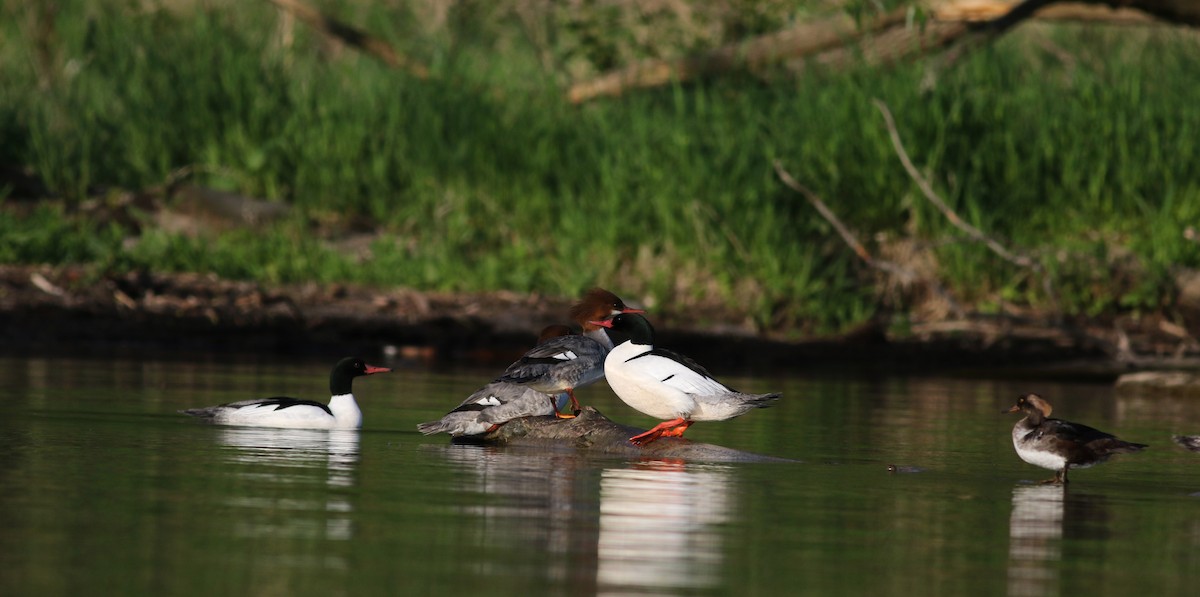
(762, 400)
(1129, 447)
(433, 427)
(203, 413)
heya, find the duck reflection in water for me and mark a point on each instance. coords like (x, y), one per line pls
(1042, 515)
(292, 481)
(658, 527)
(537, 502)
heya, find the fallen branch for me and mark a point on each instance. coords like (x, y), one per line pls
(595, 433)
(887, 38)
(373, 46)
(802, 40)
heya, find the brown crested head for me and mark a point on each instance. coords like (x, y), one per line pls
(1032, 405)
(554, 331)
(598, 304)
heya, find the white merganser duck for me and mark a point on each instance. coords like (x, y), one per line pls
(568, 361)
(1060, 445)
(342, 412)
(666, 385)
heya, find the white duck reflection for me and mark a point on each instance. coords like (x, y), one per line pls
(281, 466)
(659, 527)
(1035, 532)
(1043, 516)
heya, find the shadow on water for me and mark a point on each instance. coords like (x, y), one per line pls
(647, 527)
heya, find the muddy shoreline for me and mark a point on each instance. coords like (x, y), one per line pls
(71, 311)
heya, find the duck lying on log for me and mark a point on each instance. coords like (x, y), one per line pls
(593, 432)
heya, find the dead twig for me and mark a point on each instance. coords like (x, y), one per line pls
(353, 36)
(905, 275)
(825, 212)
(937, 201)
(971, 231)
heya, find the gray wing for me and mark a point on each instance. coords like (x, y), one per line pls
(493, 404)
(558, 364)
(500, 401)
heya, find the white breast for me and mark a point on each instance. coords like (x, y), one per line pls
(1040, 458)
(639, 383)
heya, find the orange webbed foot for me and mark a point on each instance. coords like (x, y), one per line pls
(672, 428)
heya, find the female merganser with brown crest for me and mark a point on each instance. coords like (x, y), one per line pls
(1060, 445)
(342, 412)
(666, 385)
(569, 361)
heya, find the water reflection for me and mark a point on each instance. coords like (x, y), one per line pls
(546, 508)
(1034, 539)
(278, 464)
(1042, 516)
(659, 527)
(646, 528)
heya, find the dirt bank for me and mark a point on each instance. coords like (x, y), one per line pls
(71, 310)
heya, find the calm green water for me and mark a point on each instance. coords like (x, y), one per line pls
(104, 489)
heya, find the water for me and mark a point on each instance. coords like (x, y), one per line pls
(105, 489)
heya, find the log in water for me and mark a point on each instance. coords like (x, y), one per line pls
(591, 431)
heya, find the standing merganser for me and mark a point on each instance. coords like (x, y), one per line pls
(342, 412)
(666, 385)
(1060, 445)
(568, 361)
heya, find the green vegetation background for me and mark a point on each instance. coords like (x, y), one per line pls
(1079, 145)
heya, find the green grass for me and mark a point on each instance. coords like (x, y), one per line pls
(482, 177)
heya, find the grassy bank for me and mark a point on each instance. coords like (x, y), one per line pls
(483, 177)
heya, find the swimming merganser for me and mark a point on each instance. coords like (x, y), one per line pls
(569, 361)
(342, 412)
(666, 385)
(1060, 445)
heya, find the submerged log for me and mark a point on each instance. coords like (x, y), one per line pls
(594, 433)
